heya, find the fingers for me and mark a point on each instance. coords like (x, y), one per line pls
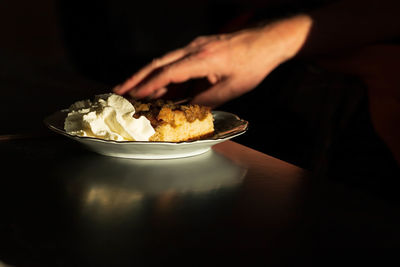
(215, 95)
(178, 72)
(198, 41)
(144, 72)
(212, 78)
(159, 93)
(161, 62)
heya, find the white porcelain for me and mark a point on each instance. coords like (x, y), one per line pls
(227, 126)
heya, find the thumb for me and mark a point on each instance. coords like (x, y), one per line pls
(216, 95)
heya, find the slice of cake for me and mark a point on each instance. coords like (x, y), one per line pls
(176, 123)
(113, 117)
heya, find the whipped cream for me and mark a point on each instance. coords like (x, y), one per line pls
(110, 117)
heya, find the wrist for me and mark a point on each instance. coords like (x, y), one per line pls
(289, 35)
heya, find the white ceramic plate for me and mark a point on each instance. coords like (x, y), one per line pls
(227, 126)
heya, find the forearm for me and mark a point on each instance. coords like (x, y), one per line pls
(283, 39)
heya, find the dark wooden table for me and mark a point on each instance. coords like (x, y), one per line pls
(65, 206)
(62, 205)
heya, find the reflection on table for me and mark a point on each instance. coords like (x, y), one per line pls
(108, 188)
(64, 205)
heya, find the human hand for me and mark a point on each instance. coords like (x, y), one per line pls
(233, 63)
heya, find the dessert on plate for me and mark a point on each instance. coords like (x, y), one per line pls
(113, 117)
(174, 122)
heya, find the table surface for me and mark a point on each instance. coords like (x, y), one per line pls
(63, 205)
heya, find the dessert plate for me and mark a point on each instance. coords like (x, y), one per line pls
(226, 125)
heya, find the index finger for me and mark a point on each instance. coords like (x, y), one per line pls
(145, 71)
(178, 72)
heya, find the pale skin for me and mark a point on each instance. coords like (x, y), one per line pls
(230, 62)
(236, 63)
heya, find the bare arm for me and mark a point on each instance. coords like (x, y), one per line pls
(233, 63)
(236, 63)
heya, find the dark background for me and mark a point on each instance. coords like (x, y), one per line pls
(56, 52)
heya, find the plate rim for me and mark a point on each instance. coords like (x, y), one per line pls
(242, 128)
